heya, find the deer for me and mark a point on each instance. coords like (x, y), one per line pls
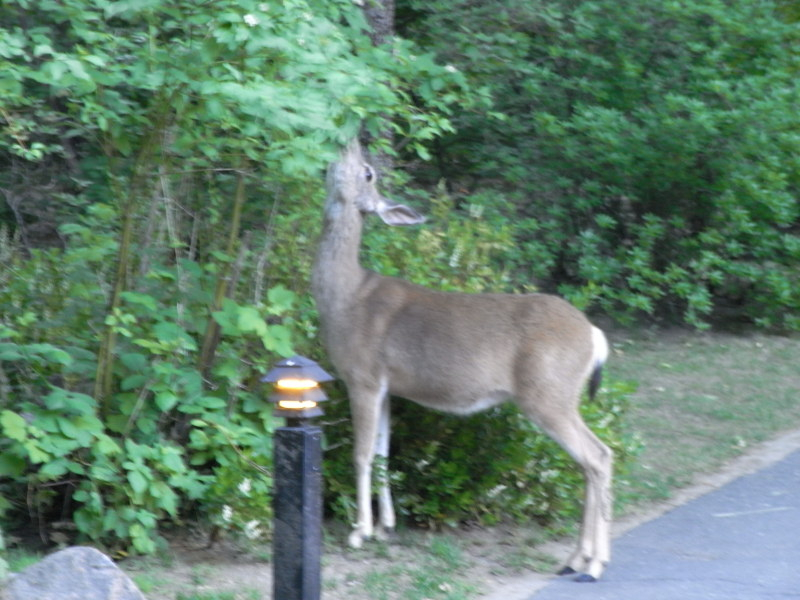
(454, 352)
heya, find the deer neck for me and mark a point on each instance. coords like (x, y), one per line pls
(337, 274)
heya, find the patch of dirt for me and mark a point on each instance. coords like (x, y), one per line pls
(497, 559)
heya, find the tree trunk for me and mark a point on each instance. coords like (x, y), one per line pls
(380, 16)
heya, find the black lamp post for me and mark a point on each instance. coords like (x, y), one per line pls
(297, 456)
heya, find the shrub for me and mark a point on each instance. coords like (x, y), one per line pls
(483, 468)
(154, 143)
(163, 443)
(647, 155)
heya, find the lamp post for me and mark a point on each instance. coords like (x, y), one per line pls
(297, 456)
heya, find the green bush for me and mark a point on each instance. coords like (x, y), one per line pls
(647, 154)
(484, 468)
(498, 465)
(163, 442)
(151, 263)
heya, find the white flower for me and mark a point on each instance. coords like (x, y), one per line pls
(456, 256)
(251, 20)
(451, 69)
(244, 487)
(497, 490)
(227, 513)
(252, 530)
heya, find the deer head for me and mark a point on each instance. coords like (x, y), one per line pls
(354, 185)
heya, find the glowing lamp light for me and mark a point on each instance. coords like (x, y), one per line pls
(296, 384)
(297, 390)
(296, 404)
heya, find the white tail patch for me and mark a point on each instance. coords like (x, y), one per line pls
(599, 347)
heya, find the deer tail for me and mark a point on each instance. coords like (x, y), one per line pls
(599, 357)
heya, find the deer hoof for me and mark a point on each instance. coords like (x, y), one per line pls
(581, 577)
(356, 539)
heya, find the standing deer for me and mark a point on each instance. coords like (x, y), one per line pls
(455, 352)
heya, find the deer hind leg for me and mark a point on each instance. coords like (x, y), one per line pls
(365, 406)
(593, 551)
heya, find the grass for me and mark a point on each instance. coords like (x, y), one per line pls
(20, 558)
(702, 400)
(437, 573)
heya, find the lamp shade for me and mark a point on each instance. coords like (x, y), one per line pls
(297, 391)
(297, 368)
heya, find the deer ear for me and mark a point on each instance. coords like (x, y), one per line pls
(399, 214)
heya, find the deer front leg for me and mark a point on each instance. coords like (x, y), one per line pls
(385, 505)
(363, 527)
(365, 410)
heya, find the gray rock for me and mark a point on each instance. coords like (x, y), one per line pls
(77, 573)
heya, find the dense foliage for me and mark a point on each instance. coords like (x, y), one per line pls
(160, 165)
(647, 154)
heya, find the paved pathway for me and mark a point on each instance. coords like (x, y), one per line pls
(740, 542)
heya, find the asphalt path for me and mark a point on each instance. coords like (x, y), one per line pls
(739, 542)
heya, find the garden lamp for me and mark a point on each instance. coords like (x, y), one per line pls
(297, 393)
(297, 496)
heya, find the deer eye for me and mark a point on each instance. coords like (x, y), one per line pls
(369, 174)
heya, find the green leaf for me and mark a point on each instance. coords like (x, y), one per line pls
(168, 500)
(36, 454)
(138, 481)
(14, 426)
(211, 402)
(278, 338)
(227, 317)
(251, 321)
(144, 300)
(9, 351)
(172, 460)
(169, 331)
(89, 423)
(135, 361)
(166, 401)
(54, 468)
(106, 445)
(228, 369)
(70, 402)
(50, 353)
(133, 382)
(68, 428)
(280, 300)
(141, 539)
(11, 465)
